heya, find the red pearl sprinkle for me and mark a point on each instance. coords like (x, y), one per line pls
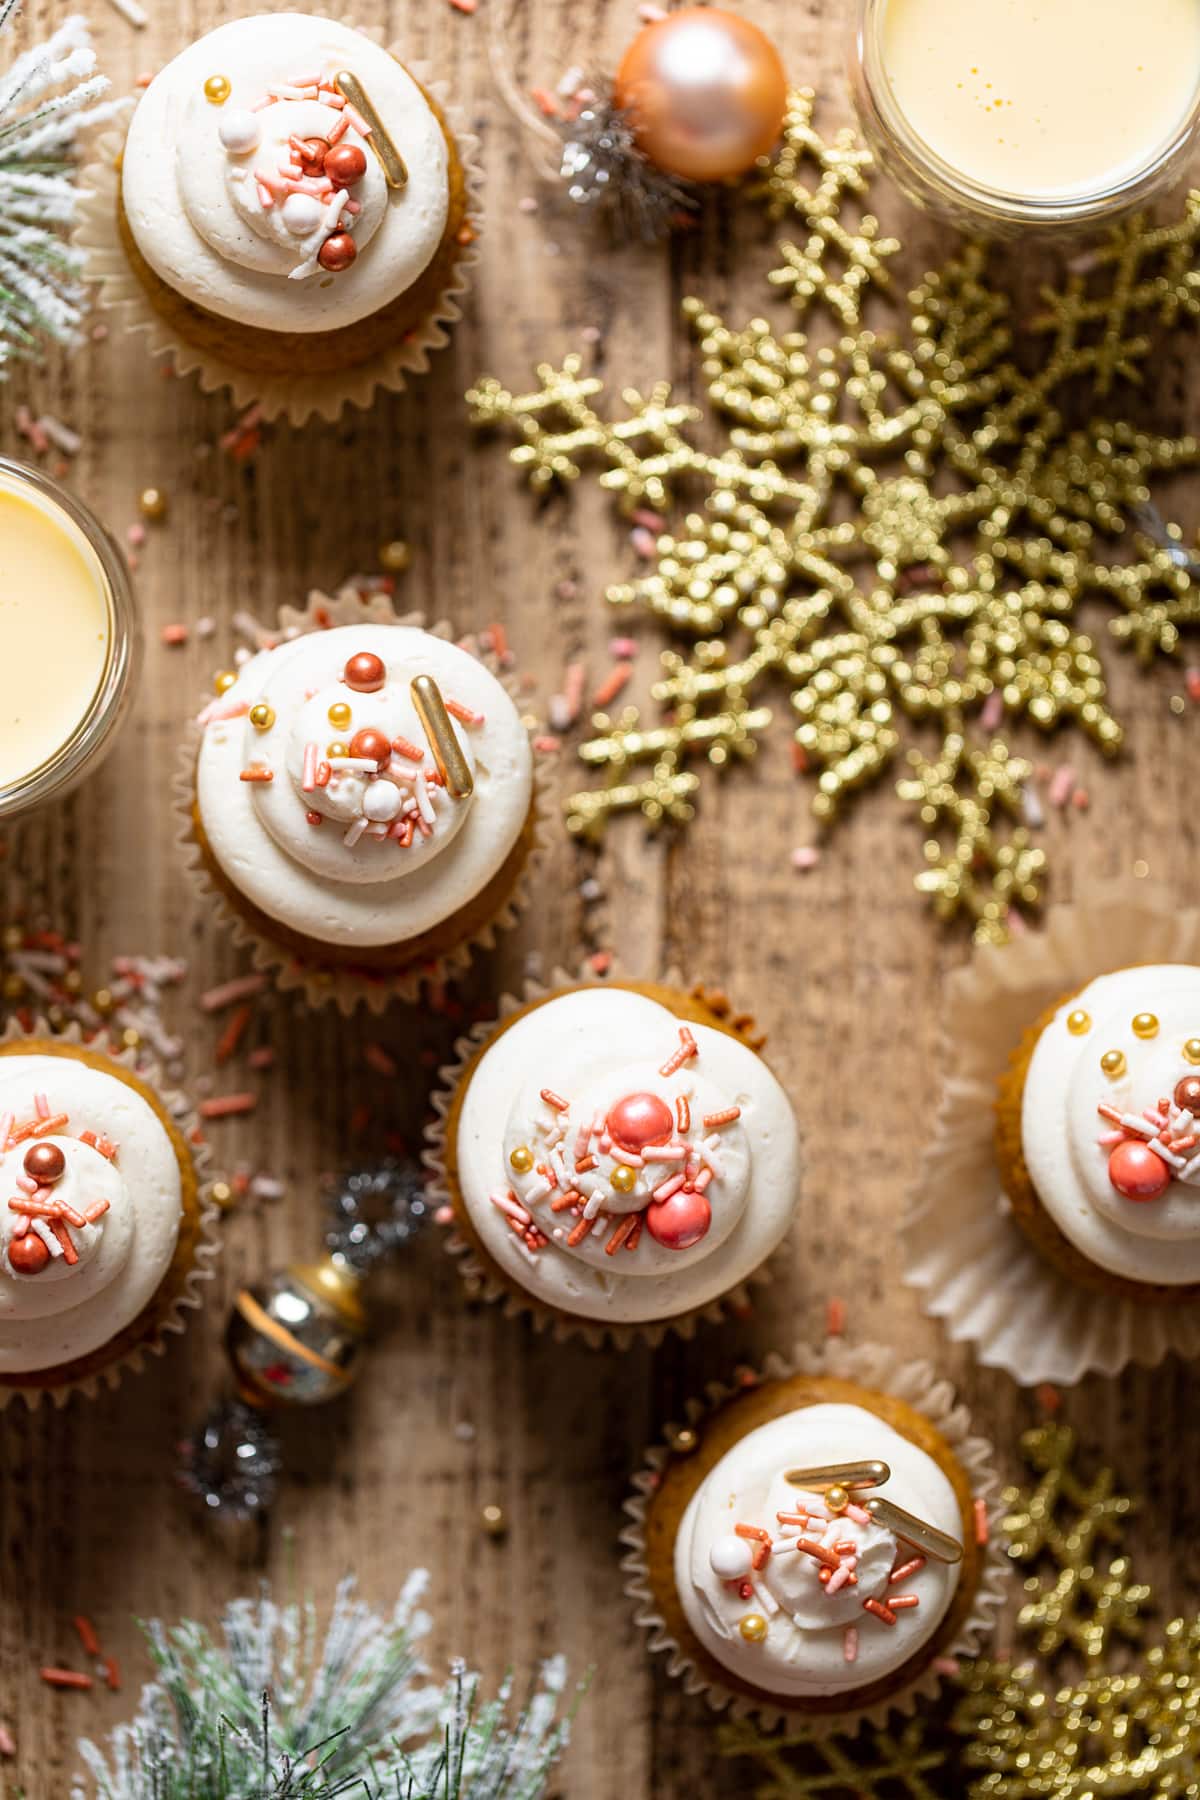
(364, 673)
(1138, 1172)
(337, 252)
(1187, 1094)
(45, 1162)
(313, 152)
(314, 818)
(345, 164)
(373, 745)
(640, 1119)
(28, 1255)
(679, 1222)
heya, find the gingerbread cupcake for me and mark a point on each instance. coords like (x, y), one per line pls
(104, 1232)
(815, 1547)
(290, 215)
(616, 1160)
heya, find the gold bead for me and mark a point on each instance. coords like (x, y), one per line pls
(1145, 1025)
(682, 1439)
(395, 556)
(13, 987)
(837, 1499)
(222, 1195)
(337, 748)
(14, 937)
(73, 981)
(522, 1159)
(217, 90)
(262, 716)
(131, 1037)
(152, 503)
(1079, 1023)
(753, 1628)
(340, 715)
(623, 1178)
(102, 1000)
(224, 681)
(1141, 869)
(1113, 1063)
(493, 1521)
(1191, 1050)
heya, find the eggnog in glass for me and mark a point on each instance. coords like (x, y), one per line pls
(68, 639)
(1006, 114)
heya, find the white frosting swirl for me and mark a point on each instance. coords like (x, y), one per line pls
(66, 1309)
(594, 1049)
(393, 855)
(1063, 1134)
(804, 1650)
(191, 176)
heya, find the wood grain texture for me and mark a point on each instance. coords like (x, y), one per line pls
(841, 967)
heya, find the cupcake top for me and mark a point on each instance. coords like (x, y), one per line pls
(622, 1165)
(800, 1591)
(322, 796)
(91, 1201)
(1110, 1122)
(287, 173)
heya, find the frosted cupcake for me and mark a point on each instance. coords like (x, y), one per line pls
(1098, 1134)
(101, 1221)
(616, 1159)
(820, 1550)
(363, 800)
(292, 203)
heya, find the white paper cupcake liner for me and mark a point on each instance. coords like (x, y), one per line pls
(334, 984)
(973, 1264)
(480, 1276)
(879, 1369)
(295, 398)
(171, 1310)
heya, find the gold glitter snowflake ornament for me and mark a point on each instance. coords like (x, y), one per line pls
(899, 526)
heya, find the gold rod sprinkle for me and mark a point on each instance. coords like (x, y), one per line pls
(390, 159)
(847, 1475)
(913, 1530)
(452, 765)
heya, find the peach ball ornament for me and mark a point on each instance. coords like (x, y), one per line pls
(704, 92)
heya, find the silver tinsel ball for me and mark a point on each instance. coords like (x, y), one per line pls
(373, 1213)
(232, 1462)
(603, 168)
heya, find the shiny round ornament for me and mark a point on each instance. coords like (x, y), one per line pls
(339, 715)
(239, 131)
(45, 1163)
(521, 1159)
(345, 164)
(28, 1255)
(753, 1628)
(336, 748)
(623, 1179)
(301, 213)
(705, 93)
(337, 252)
(262, 716)
(1191, 1050)
(640, 1120)
(837, 1499)
(297, 1338)
(730, 1557)
(1137, 1172)
(371, 745)
(1079, 1023)
(381, 802)
(679, 1222)
(1187, 1094)
(1113, 1063)
(1145, 1025)
(365, 673)
(217, 90)
(232, 1462)
(373, 1213)
(224, 680)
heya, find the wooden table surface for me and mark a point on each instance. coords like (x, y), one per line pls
(457, 1407)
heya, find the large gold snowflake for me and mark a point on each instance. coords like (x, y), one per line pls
(898, 523)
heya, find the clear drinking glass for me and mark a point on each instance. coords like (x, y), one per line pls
(85, 746)
(936, 185)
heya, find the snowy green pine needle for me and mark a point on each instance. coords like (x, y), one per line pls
(47, 95)
(268, 1714)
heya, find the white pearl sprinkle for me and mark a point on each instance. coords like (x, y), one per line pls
(382, 801)
(730, 1557)
(301, 214)
(239, 131)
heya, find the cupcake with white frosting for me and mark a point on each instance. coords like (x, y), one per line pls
(616, 1159)
(363, 800)
(101, 1218)
(292, 204)
(1098, 1134)
(816, 1547)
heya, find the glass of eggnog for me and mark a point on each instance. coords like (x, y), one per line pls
(69, 639)
(1006, 115)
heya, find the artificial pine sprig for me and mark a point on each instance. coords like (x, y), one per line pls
(270, 1713)
(47, 96)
